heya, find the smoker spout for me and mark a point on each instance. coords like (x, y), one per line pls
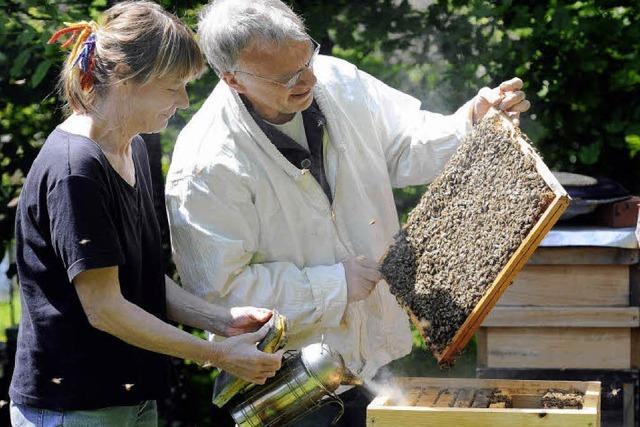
(349, 378)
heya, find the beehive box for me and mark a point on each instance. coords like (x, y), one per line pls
(619, 398)
(468, 402)
(569, 308)
(472, 231)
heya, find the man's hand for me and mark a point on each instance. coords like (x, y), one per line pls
(362, 276)
(240, 357)
(245, 319)
(507, 97)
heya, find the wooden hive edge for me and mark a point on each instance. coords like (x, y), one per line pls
(508, 316)
(584, 410)
(521, 385)
(592, 396)
(591, 390)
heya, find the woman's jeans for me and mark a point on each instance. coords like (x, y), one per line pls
(144, 414)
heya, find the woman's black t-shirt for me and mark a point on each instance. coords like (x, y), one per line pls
(77, 213)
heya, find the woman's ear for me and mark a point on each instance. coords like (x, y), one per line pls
(121, 71)
(122, 85)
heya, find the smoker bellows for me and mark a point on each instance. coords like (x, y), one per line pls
(472, 231)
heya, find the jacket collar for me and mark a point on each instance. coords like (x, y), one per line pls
(312, 115)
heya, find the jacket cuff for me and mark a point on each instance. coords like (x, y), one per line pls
(463, 119)
(329, 289)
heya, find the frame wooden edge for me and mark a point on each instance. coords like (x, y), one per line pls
(513, 266)
(504, 278)
(520, 256)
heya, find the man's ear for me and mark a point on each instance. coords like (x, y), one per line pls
(233, 82)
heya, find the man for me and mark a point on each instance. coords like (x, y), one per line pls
(280, 188)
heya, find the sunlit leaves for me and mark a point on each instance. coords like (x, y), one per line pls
(633, 142)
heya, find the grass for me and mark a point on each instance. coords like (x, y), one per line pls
(421, 363)
(6, 315)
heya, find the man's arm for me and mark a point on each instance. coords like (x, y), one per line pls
(215, 232)
(108, 311)
(418, 143)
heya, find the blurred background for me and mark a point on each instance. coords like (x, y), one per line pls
(579, 62)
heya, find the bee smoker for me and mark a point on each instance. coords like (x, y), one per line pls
(307, 380)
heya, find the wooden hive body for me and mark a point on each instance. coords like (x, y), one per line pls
(473, 230)
(465, 403)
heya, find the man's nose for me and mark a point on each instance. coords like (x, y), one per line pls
(307, 78)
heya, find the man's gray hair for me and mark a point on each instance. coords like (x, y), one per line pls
(226, 27)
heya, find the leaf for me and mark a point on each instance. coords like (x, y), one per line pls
(18, 65)
(633, 143)
(589, 154)
(26, 36)
(40, 73)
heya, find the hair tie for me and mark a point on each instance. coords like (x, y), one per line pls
(83, 50)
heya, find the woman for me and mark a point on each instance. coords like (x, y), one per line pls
(93, 333)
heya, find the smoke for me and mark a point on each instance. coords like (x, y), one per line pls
(393, 387)
(393, 393)
(384, 385)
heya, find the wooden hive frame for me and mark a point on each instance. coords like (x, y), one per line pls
(526, 396)
(519, 258)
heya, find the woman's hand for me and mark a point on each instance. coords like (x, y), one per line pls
(188, 309)
(242, 320)
(240, 357)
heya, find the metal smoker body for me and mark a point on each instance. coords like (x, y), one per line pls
(306, 381)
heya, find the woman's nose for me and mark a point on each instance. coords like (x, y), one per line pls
(183, 98)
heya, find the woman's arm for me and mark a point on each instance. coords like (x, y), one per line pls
(188, 309)
(108, 311)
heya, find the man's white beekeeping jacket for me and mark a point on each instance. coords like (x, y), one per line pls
(250, 228)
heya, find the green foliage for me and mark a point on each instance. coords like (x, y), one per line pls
(421, 363)
(633, 143)
(579, 61)
(9, 313)
(29, 108)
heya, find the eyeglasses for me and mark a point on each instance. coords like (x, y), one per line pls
(289, 82)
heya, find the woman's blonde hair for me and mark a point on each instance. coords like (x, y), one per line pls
(149, 41)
